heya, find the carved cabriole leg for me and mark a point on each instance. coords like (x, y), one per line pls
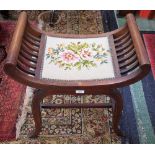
(117, 112)
(38, 97)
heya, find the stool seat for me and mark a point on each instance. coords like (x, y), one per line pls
(77, 59)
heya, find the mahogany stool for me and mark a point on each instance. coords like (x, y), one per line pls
(76, 65)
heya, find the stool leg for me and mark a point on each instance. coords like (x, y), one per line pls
(117, 112)
(38, 97)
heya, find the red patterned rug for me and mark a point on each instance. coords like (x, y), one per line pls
(10, 92)
(149, 40)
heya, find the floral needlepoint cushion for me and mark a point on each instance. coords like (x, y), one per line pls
(77, 59)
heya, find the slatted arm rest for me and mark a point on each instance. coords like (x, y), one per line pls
(17, 38)
(15, 47)
(22, 59)
(137, 40)
(131, 54)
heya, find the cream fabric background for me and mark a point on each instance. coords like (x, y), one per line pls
(51, 71)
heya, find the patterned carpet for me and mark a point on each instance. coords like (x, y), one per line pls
(77, 22)
(71, 22)
(72, 125)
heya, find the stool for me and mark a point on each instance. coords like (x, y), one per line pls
(76, 65)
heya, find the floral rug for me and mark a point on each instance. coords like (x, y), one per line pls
(70, 125)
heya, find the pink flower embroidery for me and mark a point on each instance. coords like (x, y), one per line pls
(69, 57)
(77, 55)
(86, 54)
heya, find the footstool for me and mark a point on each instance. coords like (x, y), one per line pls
(76, 65)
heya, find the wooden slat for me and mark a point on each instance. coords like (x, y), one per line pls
(121, 32)
(126, 56)
(24, 68)
(32, 47)
(27, 62)
(128, 62)
(130, 68)
(100, 105)
(33, 37)
(118, 38)
(29, 51)
(125, 51)
(30, 40)
(126, 45)
(123, 41)
(28, 56)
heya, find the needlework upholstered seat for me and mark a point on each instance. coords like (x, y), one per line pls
(76, 65)
(77, 59)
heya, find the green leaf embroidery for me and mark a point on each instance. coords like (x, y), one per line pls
(86, 60)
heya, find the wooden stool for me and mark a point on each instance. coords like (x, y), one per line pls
(76, 65)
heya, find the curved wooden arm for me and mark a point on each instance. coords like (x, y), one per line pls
(137, 40)
(16, 42)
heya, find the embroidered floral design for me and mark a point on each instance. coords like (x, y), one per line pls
(77, 55)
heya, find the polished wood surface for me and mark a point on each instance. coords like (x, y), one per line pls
(25, 57)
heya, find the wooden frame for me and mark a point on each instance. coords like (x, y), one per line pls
(25, 56)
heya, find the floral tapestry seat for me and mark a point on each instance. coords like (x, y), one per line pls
(77, 59)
